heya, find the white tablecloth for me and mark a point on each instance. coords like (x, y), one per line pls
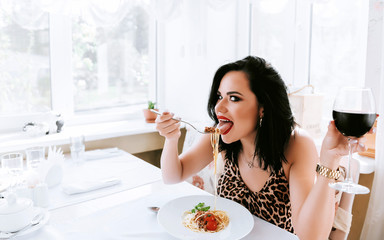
(121, 211)
(132, 172)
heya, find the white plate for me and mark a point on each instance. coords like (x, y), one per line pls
(43, 221)
(170, 218)
(4, 184)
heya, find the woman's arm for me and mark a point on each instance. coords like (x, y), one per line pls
(313, 204)
(177, 168)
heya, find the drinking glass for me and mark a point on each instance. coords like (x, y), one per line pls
(354, 114)
(77, 149)
(12, 163)
(34, 156)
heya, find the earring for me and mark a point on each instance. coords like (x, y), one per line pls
(261, 120)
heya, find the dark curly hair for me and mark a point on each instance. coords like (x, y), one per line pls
(278, 121)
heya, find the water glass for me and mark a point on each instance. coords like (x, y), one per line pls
(35, 156)
(13, 163)
(77, 149)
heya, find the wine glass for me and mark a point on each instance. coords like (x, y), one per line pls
(354, 114)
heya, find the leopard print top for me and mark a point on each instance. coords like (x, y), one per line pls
(271, 203)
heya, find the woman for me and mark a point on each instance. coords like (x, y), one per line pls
(270, 164)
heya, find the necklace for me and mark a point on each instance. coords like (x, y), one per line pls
(251, 164)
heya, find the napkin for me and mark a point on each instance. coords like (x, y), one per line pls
(89, 185)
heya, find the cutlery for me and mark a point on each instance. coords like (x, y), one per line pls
(154, 209)
(205, 131)
(36, 220)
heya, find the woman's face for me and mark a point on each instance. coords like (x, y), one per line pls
(237, 108)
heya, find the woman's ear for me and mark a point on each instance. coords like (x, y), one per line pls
(261, 111)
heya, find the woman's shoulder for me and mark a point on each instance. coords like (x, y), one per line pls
(299, 144)
(300, 136)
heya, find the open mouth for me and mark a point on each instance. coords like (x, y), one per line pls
(225, 125)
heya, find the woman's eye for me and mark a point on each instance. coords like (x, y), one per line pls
(219, 97)
(234, 98)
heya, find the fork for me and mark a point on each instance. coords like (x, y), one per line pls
(181, 120)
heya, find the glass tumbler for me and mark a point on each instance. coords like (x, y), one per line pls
(35, 156)
(13, 163)
(77, 149)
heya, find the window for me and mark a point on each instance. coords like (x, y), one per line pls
(24, 64)
(111, 63)
(90, 64)
(338, 47)
(322, 43)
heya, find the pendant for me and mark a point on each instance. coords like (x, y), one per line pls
(250, 164)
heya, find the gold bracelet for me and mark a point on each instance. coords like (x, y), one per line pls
(327, 172)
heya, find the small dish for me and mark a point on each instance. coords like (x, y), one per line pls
(4, 185)
(43, 221)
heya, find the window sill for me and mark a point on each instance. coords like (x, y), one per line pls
(20, 141)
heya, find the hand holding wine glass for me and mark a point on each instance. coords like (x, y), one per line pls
(354, 114)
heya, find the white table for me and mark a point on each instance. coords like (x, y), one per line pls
(120, 212)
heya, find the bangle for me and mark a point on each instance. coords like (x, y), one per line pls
(327, 172)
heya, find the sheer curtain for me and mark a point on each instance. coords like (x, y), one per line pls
(30, 14)
(374, 220)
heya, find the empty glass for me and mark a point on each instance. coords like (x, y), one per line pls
(13, 163)
(77, 149)
(35, 156)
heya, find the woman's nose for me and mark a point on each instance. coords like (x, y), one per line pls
(220, 106)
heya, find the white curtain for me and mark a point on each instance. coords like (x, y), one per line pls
(165, 10)
(33, 14)
(374, 220)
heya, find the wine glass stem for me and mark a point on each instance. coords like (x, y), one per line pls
(349, 177)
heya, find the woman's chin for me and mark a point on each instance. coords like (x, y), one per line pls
(226, 139)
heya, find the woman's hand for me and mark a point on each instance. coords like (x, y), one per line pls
(335, 146)
(167, 127)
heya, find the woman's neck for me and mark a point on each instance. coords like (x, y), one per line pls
(248, 147)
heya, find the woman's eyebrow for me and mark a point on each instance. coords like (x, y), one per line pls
(234, 92)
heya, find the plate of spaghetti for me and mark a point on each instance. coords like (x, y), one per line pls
(203, 217)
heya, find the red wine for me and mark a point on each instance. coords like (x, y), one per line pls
(353, 124)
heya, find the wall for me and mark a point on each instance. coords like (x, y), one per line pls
(207, 37)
